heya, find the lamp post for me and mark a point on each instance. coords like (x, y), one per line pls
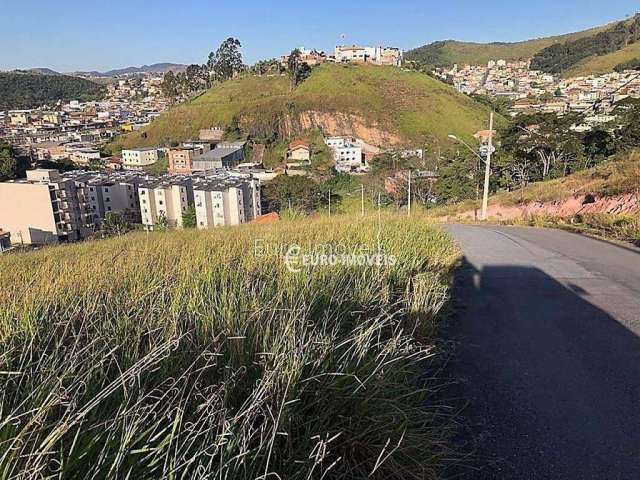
(487, 162)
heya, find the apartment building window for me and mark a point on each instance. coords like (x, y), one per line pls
(160, 202)
(107, 199)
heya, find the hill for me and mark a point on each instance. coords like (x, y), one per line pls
(598, 64)
(450, 52)
(200, 354)
(559, 58)
(32, 90)
(384, 106)
(154, 68)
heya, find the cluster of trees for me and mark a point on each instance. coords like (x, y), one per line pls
(562, 56)
(226, 63)
(30, 90)
(223, 64)
(12, 165)
(539, 147)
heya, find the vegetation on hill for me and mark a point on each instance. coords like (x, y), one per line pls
(450, 52)
(560, 57)
(627, 58)
(406, 107)
(25, 90)
(201, 355)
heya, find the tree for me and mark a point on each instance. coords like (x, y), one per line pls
(294, 192)
(114, 224)
(11, 165)
(162, 224)
(598, 144)
(226, 62)
(298, 70)
(189, 218)
(169, 85)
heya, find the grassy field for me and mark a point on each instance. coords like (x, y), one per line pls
(604, 63)
(468, 53)
(201, 355)
(409, 105)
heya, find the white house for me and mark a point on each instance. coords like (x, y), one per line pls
(139, 157)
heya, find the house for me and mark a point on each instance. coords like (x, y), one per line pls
(84, 156)
(136, 158)
(299, 151)
(44, 208)
(376, 55)
(200, 157)
(348, 155)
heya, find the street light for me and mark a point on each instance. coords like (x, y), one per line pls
(487, 162)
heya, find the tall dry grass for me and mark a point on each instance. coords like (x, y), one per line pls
(185, 355)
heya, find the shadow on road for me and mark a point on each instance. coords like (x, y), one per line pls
(548, 384)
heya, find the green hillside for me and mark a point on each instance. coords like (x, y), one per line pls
(29, 90)
(382, 105)
(605, 63)
(559, 58)
(449, 52)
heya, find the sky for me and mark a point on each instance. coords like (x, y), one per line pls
(82, 35)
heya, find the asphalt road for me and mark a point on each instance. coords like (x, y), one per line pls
(546, 362)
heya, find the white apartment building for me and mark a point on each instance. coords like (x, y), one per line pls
(83, 156)
(376, 55)
(43, 209)
(109, 193)
(165, 199)
(347, 154)
(226, 202)
(137, 158)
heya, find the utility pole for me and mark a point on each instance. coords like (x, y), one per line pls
(362, 198)
(487, 171)
(409, 197)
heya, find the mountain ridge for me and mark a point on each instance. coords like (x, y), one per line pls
(450, 52)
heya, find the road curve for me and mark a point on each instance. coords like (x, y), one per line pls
(546, 358)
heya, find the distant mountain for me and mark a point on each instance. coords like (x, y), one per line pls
(43, 71)
(31, 90)
(155, 68)
(450, 52)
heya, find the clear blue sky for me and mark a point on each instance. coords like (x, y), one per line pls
(69, 35)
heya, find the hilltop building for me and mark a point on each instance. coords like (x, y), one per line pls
(376, 55)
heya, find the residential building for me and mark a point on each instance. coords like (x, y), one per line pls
(376, 55)
(164, 200)
(348, 155)
(110, 193)
(45, 208)
(84, 156)
(226, 201)
(299, 151)
(200, 157)
(139, 157)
